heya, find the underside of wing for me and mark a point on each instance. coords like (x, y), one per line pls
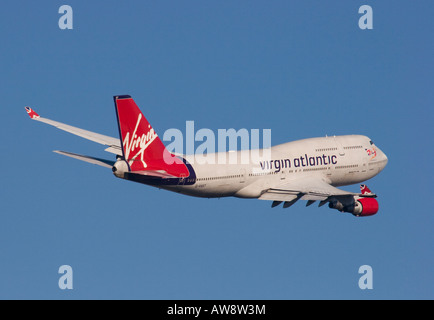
(310, 189)
(100, 162)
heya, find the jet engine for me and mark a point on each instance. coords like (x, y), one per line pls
(360, 207)
(119, 168)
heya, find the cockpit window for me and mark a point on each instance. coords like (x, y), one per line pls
(371, 143)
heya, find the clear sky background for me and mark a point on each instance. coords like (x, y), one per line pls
(300, 68)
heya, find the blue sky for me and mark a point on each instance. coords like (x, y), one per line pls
(300, 68)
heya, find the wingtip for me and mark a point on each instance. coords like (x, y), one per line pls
(32, 113)
(364, 189)
(366, 192)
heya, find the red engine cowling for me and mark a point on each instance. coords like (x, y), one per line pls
(367, 207)
(360, 207)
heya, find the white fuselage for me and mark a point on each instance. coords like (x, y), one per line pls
(338, 160)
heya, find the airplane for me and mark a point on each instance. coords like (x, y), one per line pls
(309, 169)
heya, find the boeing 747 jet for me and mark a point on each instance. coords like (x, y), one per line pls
(309, 169)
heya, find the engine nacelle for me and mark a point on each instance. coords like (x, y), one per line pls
(360, 207)
(367, 207)
(119, 168)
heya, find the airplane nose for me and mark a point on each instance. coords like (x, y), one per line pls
(384, 160)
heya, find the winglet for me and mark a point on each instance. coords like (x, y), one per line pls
(32, 113)
(365, 190)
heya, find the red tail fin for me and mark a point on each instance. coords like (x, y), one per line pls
(141, 146)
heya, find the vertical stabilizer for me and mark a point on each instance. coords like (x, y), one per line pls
(141, 146)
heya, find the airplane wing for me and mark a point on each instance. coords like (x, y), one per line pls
(311, 189)
(114, 145)
(100, 162)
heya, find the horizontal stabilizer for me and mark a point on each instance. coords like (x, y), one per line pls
(100, 162)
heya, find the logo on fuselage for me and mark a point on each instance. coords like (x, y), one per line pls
(372, 152)
(303, 161)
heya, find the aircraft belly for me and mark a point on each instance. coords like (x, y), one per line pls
(203, 191)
